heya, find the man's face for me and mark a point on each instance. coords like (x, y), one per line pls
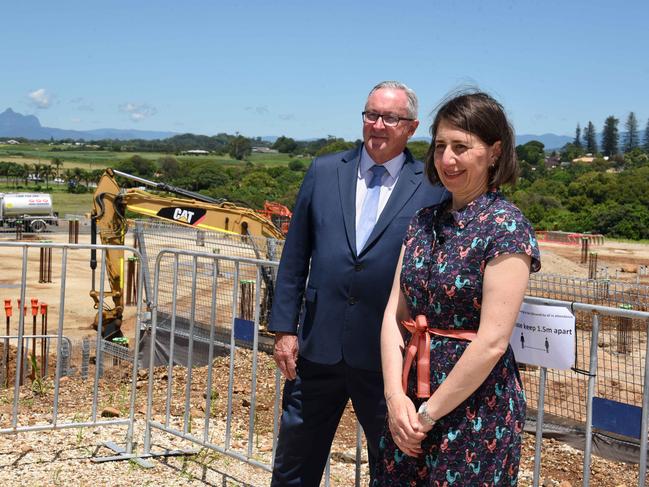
(384, 143)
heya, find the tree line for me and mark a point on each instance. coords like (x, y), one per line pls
(586, 142)
(34, 176)
(603, 196)
(608, 194)
(236, 146)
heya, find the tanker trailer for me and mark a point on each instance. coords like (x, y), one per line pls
(33, 210)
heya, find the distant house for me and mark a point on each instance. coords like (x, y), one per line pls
(264, 150)
(552, 162)
(196, 152)
(12, 142)
(586, 159)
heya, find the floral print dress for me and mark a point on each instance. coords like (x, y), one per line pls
(446, 251)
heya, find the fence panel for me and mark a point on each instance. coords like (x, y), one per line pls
(569, 398)
(621, 343)
(44, 367)
(224, 406)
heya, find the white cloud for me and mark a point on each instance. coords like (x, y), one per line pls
(138, 111)
(40, 98)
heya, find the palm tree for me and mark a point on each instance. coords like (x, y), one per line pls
(47, 172)
(68, 176)
(18, 172)
(4, 170)
(78, 174)
(29, 169)
(56, 162)
(87, 177)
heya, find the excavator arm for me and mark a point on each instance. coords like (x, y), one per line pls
(108, 220)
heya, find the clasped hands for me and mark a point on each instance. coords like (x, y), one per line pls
(403, 420)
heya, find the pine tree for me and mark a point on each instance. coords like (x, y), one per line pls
(590, 139)
(646, 138)
(631, 137)
(577, 141)
(610, 136)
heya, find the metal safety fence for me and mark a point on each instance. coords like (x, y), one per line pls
(620, 342)
(222, 398)
(594, 391)
(217, 416)
(36, 364)
(228, 410)
(208, 388)
(602, 292)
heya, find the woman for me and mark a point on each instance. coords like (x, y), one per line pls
(459, 284)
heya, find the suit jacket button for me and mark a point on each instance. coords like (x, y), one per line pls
(358, 267)
(352, 300)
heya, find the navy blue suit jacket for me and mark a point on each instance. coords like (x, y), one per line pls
(346, 294)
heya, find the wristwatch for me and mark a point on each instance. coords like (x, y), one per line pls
(424, 417)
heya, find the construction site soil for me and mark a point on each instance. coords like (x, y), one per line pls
(63, 457)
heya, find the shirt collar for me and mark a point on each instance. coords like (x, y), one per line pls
(464, 215)
(393, 166)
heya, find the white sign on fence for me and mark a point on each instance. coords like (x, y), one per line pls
(544, 336)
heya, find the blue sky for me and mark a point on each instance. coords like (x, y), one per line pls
(303, 69)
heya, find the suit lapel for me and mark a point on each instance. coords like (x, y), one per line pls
(347, 178)
(409, 180)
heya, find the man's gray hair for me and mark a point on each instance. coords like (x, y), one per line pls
(413, 105)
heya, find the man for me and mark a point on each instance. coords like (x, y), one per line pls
(345, 235)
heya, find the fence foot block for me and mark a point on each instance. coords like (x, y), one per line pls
(121, 455)
(172, 453)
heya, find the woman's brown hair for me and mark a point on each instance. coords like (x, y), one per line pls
(481, 115)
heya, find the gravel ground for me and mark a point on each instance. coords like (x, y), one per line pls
(64, 457)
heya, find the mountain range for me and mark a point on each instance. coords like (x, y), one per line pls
(14, 124)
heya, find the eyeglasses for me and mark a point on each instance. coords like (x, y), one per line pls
(388, 120)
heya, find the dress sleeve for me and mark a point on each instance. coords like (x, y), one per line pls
(418, 223)
(513, 234)
(412, 227)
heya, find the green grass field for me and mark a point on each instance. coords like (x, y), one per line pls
(96, 159)
(72, 204)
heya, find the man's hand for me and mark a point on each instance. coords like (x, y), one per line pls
(285, 354)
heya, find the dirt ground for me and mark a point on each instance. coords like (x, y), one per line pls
(79, 311)
(561, 463)
(621, 260)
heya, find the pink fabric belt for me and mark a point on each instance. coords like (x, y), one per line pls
(419, 346)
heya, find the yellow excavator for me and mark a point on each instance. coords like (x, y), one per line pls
(108, 219)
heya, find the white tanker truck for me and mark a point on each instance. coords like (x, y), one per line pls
(33, 210)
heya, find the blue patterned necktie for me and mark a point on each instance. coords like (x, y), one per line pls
(370, 207)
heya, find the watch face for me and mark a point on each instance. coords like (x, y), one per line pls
(423, 413)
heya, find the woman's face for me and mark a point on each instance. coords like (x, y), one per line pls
(462, 161)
